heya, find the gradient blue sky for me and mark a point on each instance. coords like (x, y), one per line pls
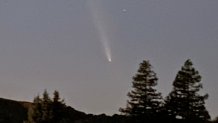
(54, 44)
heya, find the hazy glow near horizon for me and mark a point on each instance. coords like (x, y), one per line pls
(100, 26)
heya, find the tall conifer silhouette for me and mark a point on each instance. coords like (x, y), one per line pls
(144, 100)
(185, 101)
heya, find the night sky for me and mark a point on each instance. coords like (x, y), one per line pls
(65, 45)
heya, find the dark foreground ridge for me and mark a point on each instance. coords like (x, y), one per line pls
(13, 111)
(17, 112)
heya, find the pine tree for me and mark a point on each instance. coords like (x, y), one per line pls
(58, 108)
(144, 100)
(185, 102)
(47, 113)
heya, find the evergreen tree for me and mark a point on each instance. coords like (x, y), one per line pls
(58, 108)
(144, 100)
(185, 102)
(47, 113)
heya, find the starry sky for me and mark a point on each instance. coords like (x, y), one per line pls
(64, 45)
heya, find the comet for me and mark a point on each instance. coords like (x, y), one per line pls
(109, 59)
(100, 26)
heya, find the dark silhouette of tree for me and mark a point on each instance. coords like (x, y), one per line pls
(47, 113)
(185, 102)
(58, 108)
(145, 101)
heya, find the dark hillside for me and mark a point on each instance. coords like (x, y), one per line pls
(12, 111)
(16, 112)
